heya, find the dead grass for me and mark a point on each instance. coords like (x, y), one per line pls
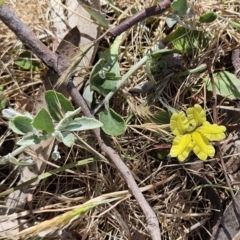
(179, 206)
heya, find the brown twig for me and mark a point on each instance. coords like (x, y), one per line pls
(139, 16)
(53, 61)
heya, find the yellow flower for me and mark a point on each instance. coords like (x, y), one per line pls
(193, 133)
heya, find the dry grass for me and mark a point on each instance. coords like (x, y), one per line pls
(177, 204)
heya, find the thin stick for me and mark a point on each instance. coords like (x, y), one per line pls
(139, 16)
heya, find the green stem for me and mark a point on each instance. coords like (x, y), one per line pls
(19, 150)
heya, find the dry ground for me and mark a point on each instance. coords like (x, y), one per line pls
(179, 206)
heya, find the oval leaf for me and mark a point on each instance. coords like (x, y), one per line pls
(29, 140)
(208, 17)
(113, 124)
(68, 139)
(43, 121)
(21, 125)
(179, 7)
(84, 123)
(227, 84)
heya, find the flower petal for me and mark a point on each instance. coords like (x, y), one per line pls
(196, 115)
(212, 132)
(181, 147)
(179, 123)
(202, 147)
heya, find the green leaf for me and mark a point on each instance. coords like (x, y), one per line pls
(57, 104)
(187, 41)
(179, 7)
(43, 121)
(58, 135)
(29, 140)
(68, 139)
(227, 84)
(67, 119)
(113, 124)
(208, 17)
(27, 61)
(106, 71)
(98, 16)
(21, 124)
(81, 124)
(100, 81)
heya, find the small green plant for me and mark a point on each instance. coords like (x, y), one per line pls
(193, 133)
(57, 122)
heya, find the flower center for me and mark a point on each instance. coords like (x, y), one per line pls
(191, 128)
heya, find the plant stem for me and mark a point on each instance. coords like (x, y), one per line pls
(19, 150)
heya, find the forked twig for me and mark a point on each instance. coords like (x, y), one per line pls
(54, 62)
